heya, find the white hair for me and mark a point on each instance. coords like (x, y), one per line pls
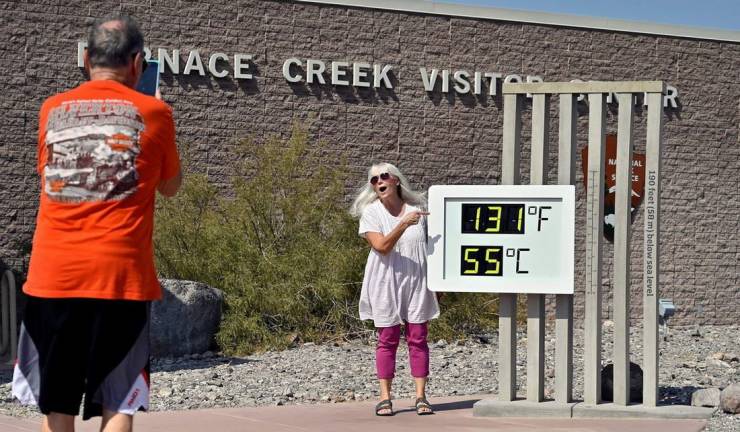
(366, 195)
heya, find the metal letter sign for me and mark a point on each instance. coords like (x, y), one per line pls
(505, 239)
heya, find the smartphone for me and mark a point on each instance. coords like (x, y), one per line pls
(149, 81)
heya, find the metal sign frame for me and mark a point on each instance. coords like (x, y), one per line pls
(558, 240)
(568, 93)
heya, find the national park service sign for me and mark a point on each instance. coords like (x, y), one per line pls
(610, 183)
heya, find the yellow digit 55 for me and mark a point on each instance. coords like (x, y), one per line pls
(473, 261)
(496, 263)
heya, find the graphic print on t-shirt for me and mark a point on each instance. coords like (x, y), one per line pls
(92, 147)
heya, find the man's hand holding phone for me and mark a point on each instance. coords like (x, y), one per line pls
(149, 81)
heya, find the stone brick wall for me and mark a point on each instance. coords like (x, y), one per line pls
(435, 138)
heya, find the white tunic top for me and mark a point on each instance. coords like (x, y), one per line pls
(394, 289)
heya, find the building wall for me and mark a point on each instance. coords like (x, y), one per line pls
(435, 138)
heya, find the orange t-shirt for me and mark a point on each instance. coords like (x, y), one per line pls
(102, 150)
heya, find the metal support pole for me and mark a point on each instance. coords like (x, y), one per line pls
(623, 216)
(507, 302)
(652, 249)
(536, 302)
(564, 302)
(594, 233)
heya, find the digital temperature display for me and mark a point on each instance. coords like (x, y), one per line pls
(493, 218)
(501, 238)
(482, 260)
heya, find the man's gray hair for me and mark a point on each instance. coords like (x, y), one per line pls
(113, 40)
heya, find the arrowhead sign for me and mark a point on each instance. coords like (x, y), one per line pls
(610, 183)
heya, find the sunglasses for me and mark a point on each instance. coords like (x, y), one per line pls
(383, 176)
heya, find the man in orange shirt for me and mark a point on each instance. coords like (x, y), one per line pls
(104, 149)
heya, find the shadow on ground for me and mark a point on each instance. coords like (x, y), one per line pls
(186, 363)
(448, 406)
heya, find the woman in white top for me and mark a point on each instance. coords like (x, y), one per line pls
(394, 289)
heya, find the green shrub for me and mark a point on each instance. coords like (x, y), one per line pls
(281, 245)
(463, 314)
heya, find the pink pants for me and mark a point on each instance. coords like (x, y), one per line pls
(385, 352)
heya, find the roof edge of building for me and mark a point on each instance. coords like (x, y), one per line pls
(533, 17)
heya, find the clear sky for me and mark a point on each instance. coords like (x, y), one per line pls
(717, 14)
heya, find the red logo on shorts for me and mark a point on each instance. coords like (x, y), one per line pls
(133, 397)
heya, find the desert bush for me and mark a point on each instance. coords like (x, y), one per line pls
(282, 246)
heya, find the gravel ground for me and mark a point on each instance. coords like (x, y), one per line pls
(335, 373)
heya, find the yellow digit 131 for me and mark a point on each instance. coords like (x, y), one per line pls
(494, 215)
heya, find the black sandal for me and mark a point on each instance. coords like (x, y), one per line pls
(423, 407)
(385, 404)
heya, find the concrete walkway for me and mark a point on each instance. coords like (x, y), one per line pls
(453, 414)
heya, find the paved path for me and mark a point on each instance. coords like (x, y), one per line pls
(453, 414)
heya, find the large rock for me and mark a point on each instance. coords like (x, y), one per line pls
(705, 397)
(730, 399)
(607, 382)
(186, 319)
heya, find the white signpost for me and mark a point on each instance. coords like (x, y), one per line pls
(502, 239)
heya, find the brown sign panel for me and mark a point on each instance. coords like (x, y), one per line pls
(610, 183)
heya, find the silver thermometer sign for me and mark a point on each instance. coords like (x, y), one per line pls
(505, 239)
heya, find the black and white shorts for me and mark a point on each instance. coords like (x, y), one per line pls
(72, 346)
